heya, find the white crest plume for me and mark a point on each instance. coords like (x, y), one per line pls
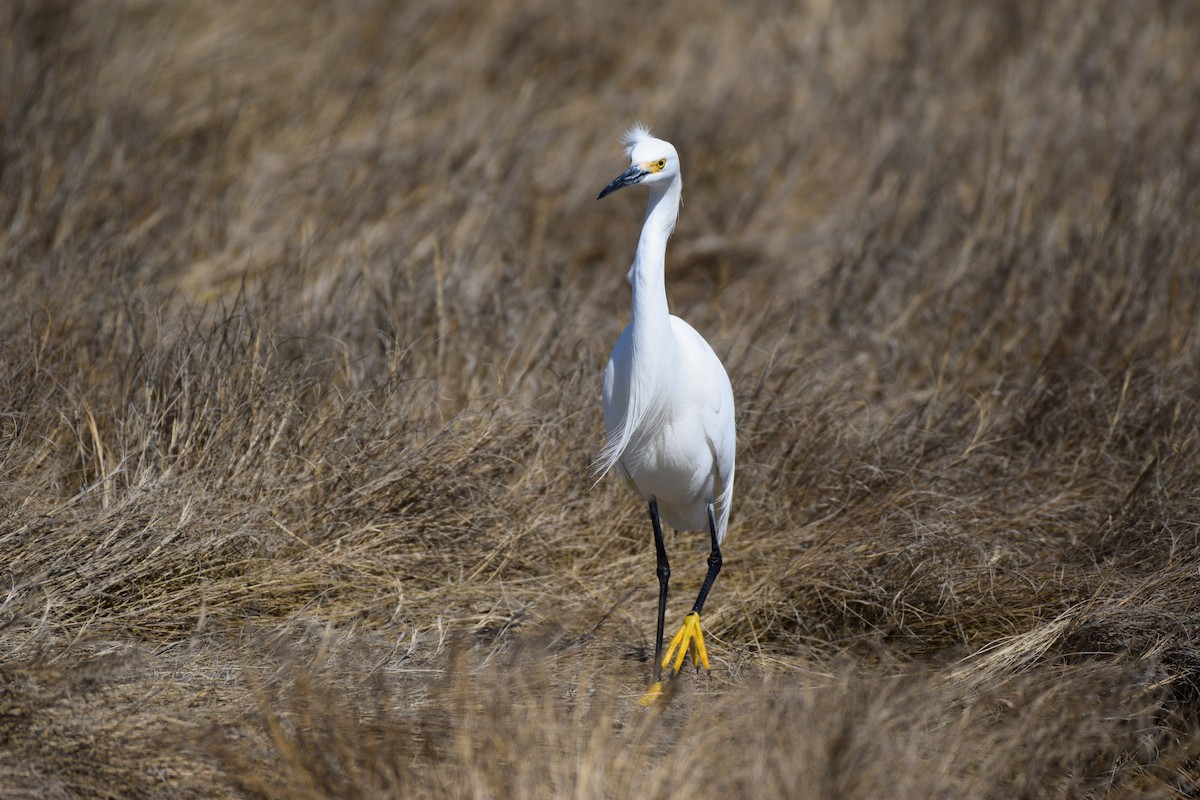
(636, 133)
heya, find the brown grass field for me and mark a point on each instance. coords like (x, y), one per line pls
(304, 311)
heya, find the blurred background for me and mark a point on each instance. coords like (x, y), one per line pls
(305, 310)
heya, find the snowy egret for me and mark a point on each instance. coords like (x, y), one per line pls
(668, 404)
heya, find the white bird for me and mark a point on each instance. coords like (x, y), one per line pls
(668, 404)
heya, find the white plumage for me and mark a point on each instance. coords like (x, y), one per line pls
(669, 420)
(668, 403)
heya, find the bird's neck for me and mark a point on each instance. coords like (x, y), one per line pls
(650, 314)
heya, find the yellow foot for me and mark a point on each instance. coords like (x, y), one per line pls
(652, 694)
(690, 639)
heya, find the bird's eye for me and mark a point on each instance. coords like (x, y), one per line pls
(662, 162)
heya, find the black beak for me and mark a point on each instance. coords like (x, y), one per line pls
(627, 178)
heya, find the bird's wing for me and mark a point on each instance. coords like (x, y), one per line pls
(614, 400)
(709, 389)
(705, 378)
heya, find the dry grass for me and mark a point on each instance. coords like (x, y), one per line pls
(304, 313)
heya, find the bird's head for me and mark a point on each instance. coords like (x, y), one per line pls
(650, 161)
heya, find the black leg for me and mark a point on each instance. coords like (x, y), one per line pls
(664, 574)
(714, 562)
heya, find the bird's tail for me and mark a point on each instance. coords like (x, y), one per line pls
(722, 503)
